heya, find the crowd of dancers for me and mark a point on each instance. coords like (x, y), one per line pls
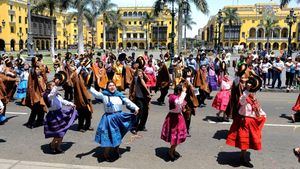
(105, 77)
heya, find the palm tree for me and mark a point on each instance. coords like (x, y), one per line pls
(91, 18)
(285, 2)
(231, 17)
(147, 20)
(51, 6)
(188, 22)
(200, 5)
(82, 9)
(114, 21)
(105, 7)
(269, 21)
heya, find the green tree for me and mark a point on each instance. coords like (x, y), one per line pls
(114, 21)
(285, 2)
(269, 21)
(188, 22)
(50, 6)
(105, 7)
(201, 5)
(147, 20)
(82, 9)
(230, 18)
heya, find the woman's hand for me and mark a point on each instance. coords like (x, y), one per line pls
(136, 112)
(1, 111)
(56, 81)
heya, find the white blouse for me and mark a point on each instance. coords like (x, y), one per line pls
(179, 103)
(56, 101)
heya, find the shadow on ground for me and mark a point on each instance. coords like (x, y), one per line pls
(162, 152)
(2, 141)
(288, 117)
(64, 146)
(231, 158)
(220, 134)
(212, 118)
(98, 153)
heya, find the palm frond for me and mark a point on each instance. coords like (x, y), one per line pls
(201, 5)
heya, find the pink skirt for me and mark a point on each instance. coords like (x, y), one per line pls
(151, 80)
(221, 100)
(174, 129)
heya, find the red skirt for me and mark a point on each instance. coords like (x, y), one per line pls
(174, 129)
(296, 108)
(221, 100)
(245, 133)
(151, 80)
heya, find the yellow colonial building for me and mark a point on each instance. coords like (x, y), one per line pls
(133, 34)
(250, 32)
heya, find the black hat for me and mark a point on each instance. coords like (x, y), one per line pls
(88, 78)
(255, 82)
(122, 57)
(241, 70)
(62, 76)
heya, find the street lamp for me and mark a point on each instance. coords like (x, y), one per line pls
(29, 36)
(220, 21)
(185, 12)
(290, 20)
(93, 34)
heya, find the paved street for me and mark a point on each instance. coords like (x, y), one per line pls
(205, 149)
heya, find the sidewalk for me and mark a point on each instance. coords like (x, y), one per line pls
(283, 90)
(15, 164)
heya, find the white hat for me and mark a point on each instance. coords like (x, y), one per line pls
(289, 58)
(175, 56)
(202, 52)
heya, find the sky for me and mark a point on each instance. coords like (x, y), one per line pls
(198, 17)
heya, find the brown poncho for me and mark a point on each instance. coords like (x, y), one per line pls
(163, 77)
(200, 81)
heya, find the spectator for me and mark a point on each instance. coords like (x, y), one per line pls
(290, 73)
(191, 62)
(265, 66)
(278, 67)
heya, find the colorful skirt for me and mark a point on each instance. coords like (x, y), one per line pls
(174, 129)
(296, 107)
(151, 80)
(2, 118)
(221, 100)
(212, 82)
(22, 89)
(58, 122)
(113, 127)
(245, 133)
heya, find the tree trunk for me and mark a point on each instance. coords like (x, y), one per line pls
(80, 34)
(229, 40)
(179, 25)
(104, 36)
(52, 50)
(268, 40)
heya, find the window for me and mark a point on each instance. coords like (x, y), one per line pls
(150, 35)
(294, 34)
(253, 21)
(12, 29)
(135, 35)
(10, 7)
(244, 21)
(141, 35)
(128, 35)
(170, 22)
(120, 35)
(0, 29)
(75, 30)
(243, 34)
(19, 8)
(162, 22)
(141, 23)
(101, 35)
(26, 30)
(20, 19)
(129, 23)
(20, 30)
(11, 18)
(134, 22)
(25, 20)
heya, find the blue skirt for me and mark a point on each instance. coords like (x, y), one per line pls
(212, 81)
(22, 89)
(58, 122)
(113, 127)
(2, 118)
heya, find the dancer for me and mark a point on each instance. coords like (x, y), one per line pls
(3, 102)
(296, 108)
(140, 95)
(222, 98)
(22, 87)
(151, 74)
(114, 123)
(174, 128)
(163, 82)
(59, 119)
(245, 131)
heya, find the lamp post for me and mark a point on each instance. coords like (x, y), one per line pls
(185, 12)
(67, 37)
(20, 35)
(290, 20)
(220, 21)
(29, 36)
(93, 34)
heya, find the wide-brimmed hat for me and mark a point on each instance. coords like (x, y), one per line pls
(86, 61)
(7, 61)
(62, 76)
(88, 78)
(241, 70)
(255, 82)
(141, 61)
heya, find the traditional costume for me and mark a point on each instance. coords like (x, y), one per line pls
(296, 108)
(114, 123)
(163, 82)
(59, 118)
(118, 77)
(212, 78)
(223, 96)
(200, 81)
(22, 87)
(101, 78)
(3, 102)
(151, 74)
(174, 128)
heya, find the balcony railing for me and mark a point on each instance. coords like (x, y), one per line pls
(265, 38)
(135, 39)
(11, 12)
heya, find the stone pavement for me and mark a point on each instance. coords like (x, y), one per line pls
(16, 164)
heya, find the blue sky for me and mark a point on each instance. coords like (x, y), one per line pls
(198, 17)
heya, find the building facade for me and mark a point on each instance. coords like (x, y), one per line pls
(14, 29)
(250, 31)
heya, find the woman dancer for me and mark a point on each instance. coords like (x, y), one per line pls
(151, 74)
(222, 98)
(114, 123)
(245, 131)
(296, 108)
(22, 87)
(59, 119)
(174, 128)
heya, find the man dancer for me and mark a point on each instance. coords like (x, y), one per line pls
(163, 82)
